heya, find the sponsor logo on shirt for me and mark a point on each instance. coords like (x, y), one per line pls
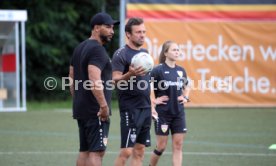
(172, 83)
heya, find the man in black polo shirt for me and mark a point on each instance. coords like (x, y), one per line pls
(90, 71)
(134, 99)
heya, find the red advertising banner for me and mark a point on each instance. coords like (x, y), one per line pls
(229, 55)
(229, 64)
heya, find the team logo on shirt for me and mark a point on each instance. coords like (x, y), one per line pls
(133, 137)
(180, 73)
(105, 139)
(164, 128)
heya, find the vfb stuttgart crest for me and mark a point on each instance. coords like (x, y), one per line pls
(180, 73)
(133, 137)
(164, 128)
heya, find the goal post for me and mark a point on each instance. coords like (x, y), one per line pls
(12, 60)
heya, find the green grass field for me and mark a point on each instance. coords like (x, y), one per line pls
(46, 135)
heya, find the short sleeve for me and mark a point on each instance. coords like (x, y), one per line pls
(118, 62)
(71, 61)
(185, 78)
(73, 57)
(97, 57)
(153, 73)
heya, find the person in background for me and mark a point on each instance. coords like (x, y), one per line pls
(134, 103)
(170, 94)
(90, 69)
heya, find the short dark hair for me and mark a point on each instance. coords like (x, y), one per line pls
(131, 22)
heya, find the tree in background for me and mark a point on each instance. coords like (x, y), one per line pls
(53, 29)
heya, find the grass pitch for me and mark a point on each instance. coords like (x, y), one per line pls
(47, 135)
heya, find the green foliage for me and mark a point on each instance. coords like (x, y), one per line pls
(53, 29)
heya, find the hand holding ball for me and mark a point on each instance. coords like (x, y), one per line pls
(144, 60)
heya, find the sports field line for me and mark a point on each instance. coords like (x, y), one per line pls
(165, 153)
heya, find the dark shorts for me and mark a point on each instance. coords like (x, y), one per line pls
(173, 123)
(93, 134)
(135, 127)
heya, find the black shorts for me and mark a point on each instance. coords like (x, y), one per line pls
(93, 134)
(135, 127)
(173, 123)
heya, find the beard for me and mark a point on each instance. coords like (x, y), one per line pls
(137, 44)
(104, 39)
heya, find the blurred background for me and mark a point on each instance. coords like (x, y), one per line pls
(53, 29)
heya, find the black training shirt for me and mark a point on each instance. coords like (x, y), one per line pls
(89, 52)
(136, 94)
(170, 82)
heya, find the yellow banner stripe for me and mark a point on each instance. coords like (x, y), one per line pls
(174, 7)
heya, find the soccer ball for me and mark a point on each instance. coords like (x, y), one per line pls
(143, 59)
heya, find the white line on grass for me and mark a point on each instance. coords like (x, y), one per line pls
(165, 153)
